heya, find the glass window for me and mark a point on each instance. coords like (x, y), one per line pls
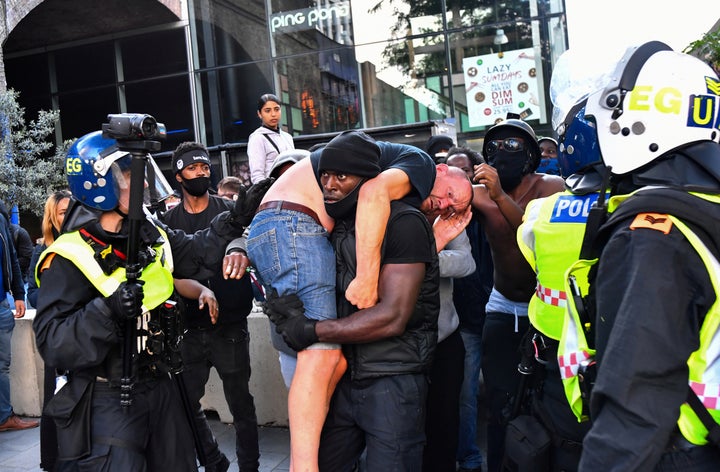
(229, 32)
(29, 76)
(153, 54)
(71, 66)
(85, 111)
(399, 73)
(168, 101)
(310, 26)
(229, 101)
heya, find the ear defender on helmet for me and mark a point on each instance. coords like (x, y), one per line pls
(657, 101)
(578, 142)
(94, 167)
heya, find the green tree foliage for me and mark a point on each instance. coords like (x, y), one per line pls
(707, 48)
(31, 166)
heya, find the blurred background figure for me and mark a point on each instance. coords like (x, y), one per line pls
(548, 156)
(438, 146)
(21, 242)
(229, 187)
(285, 160)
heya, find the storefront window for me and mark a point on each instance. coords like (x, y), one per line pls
(335, 64)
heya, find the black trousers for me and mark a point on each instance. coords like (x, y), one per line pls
(385, 414)
(442, 423)
(150, 435)
(227, 348)
(500, 360)
(550, 406)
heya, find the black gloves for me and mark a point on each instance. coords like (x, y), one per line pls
(126, 302)
(247, 203)
(288, 314)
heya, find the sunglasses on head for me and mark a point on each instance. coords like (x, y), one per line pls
(507, 144)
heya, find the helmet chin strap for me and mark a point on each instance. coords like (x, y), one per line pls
(120, 212)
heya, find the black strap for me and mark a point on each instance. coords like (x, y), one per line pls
(267, 136)
(706, 418)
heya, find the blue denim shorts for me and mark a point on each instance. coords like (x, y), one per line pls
(292, 254)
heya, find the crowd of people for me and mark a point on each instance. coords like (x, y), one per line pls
(562, 289)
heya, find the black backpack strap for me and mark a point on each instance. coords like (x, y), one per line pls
(267, 136)
(706, 418)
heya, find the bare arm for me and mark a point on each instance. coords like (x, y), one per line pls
(490, 188)
(447, 229)
(372, 216)
(386, 319)
(193, 289)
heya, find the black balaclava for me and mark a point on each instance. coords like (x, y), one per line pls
(511, 166)
(352, 153)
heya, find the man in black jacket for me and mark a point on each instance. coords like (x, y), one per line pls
(224, 344)
(87, 305)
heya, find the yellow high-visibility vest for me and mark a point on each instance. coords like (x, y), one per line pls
(703, 364)
(550, 238)
(157, 275)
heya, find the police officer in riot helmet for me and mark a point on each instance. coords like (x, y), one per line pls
(87, 301)
(654, 290)
(551, 238)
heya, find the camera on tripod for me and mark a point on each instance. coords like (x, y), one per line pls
(133, 127)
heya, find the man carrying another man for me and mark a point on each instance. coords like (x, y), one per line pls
(293, 222)
(380, 402)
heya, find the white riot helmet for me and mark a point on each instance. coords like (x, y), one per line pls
(657, 100)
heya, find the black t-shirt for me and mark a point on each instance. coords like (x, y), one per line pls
(234, 296)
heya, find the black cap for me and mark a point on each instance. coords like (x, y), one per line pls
(437, 143)
(351, 152)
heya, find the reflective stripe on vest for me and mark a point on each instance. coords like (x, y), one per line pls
(573, 347)
(551, 296)
(704, 364)
(158, 277)
(550, 238)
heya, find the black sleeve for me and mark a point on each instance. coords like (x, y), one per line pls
(17, 284)
(73, 326)
(198, 256)
(24, 247)
(653, 292)
(32, 284)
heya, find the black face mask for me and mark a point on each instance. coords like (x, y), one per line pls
(344, 208)
(510, 168)
(197, 186)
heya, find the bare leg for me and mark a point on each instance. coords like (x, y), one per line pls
(317, 373)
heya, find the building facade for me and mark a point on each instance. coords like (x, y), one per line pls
(199, 66)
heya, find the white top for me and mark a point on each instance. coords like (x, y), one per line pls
(261, 152)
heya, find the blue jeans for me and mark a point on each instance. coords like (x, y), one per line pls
(469, 455)
(7, 323)
(292, 254)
